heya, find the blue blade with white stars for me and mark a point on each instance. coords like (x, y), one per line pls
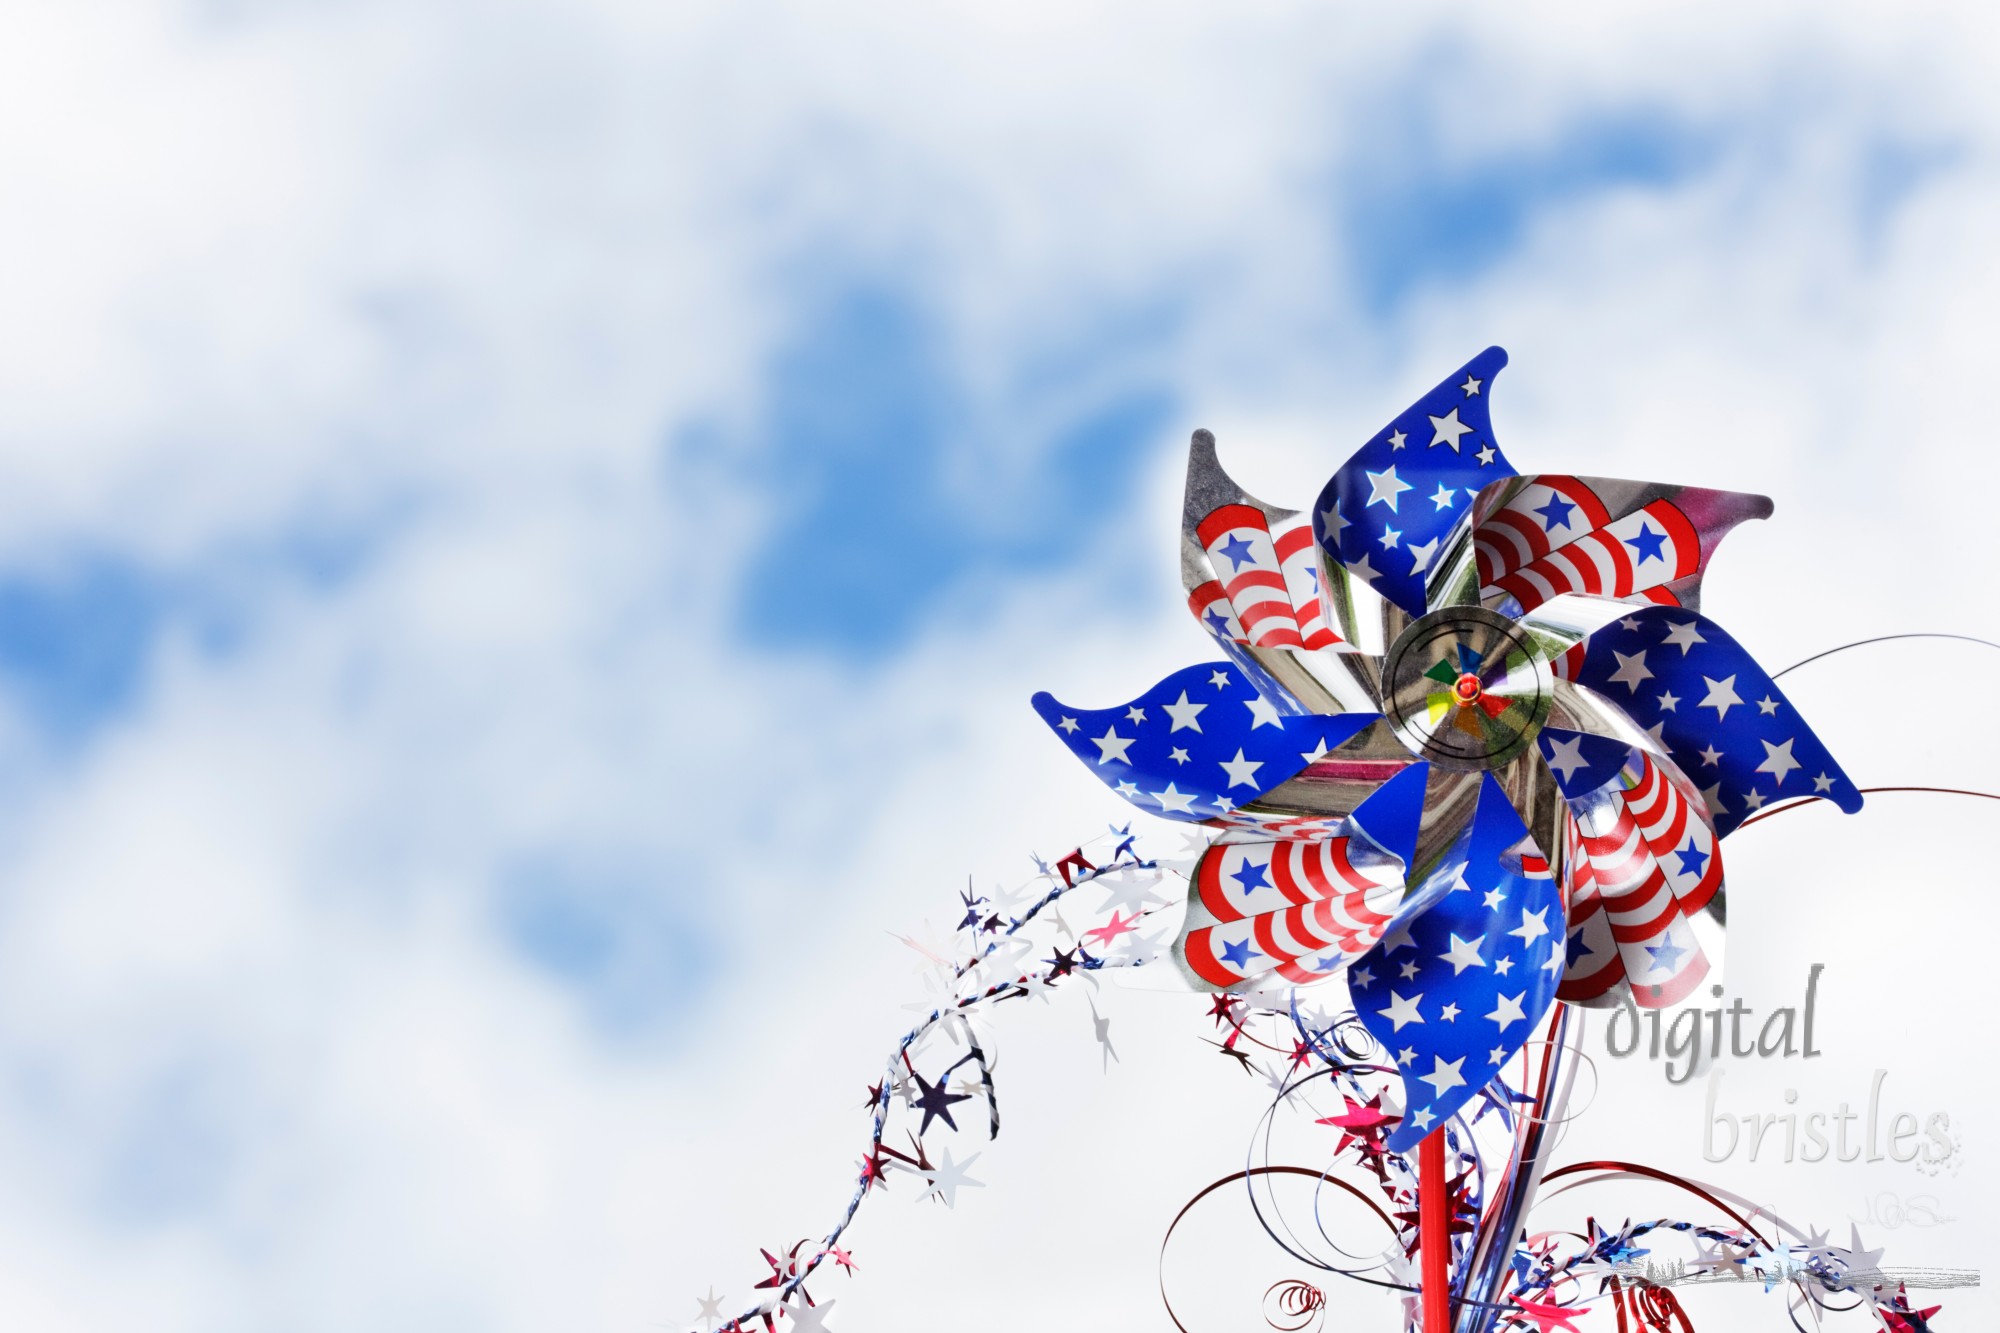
(1582, 764)
(1200, 743)
(1458, 990)
(1719, 715)
(1391, 508)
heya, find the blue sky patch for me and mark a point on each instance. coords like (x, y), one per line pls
(1410, 216)
(74, 641)
(892, 482)
(611, 930)
(78, 632)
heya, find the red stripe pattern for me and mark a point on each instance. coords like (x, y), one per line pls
(1642, 861)
(1629, 558)
(1298, 556)
(1266, 592)
(1298, 909)
(1526, 528)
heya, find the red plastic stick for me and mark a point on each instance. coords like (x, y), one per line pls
(1434, 1231)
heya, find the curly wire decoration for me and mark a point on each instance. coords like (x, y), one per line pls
(1299, 1305)
(1655, 1308)
(1885, 638)
(1612, 1168)
(1868, 791)
(1230, 1179)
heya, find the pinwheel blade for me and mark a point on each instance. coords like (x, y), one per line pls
(1643, 861)
(1198, 744)
(1293, 912)
(1256, 581)
(1401, 505)
(1454, 991)
(1538, 537)
(1264, 911)
(1717, 714)
(1251, 571)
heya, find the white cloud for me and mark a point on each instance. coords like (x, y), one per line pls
(269, 1055)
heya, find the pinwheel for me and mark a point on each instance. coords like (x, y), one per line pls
(1470, 745)
(1471, 741)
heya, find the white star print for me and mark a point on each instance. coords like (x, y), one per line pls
(1711, 756)
(1177, 801)
(1423, 555)
(1443, 497)
(1494, 897)
(1822, 783)
(1444, 1077)
(1385, 486)
(1778, 760)
(1402, 1011)
(1712, 798)
(1669, 701)
(1684, 636)
(1568, 757)
(1503, 966)
(1242, 772)
(1409, 971)
(1449, 1013)
(1363, 978)
(1631, 670)
(1127, 789)
(1112, 746)
(1361, 569)
(1317, 753)
(1397, 441)
(1184, 714)
(1485, 455)
(1753, 799)
(1471, 386)
(1263, 713)
(1067, 724)
(1333, 521)
(1422, 1117)
(1507, 1010)
(1532, 926)
(1722, 695)
(1389, 538)
(1218, 678)
(1629, 622)
(1178, 755)
(1449, 430)
(1767, 706)
(1135, 714)
(1464, 953)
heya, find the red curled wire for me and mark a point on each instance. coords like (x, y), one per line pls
(1294, 1305)
(1656, 1308)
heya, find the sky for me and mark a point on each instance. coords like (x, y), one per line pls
(527, 532)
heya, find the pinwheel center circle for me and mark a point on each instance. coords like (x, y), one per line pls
(1466, 688)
